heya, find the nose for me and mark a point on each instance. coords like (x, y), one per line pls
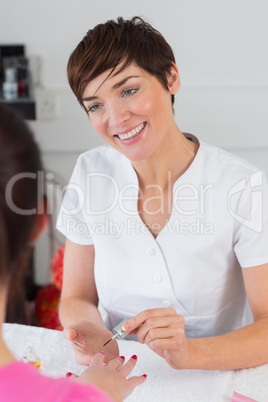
(118, 115)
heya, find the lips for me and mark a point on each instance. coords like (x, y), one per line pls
(132, 133)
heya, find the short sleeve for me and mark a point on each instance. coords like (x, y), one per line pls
(251, 220)
(72, 222)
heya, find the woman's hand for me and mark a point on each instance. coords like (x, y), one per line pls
(111, 378)
(162, 329)
(87, 339)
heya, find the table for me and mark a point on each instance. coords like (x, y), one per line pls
(163, 383)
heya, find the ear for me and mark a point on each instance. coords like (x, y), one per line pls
(40, 224)
(174, 82)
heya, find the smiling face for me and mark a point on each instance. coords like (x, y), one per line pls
(131, 110)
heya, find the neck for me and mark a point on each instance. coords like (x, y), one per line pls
(169, 161)
(6, 356)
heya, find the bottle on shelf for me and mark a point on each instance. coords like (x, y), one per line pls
(10, 84)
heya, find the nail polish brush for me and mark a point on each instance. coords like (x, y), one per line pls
(118, 333)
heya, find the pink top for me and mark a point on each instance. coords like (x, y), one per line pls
(241, 398)
(20, 382)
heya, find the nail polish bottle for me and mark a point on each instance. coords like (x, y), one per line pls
(10, 85)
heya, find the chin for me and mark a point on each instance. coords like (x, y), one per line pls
(137, 157)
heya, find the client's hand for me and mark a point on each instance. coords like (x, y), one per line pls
(87, 339)
(111, 378)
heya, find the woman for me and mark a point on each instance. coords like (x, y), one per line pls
(22, 219)
(162, 229)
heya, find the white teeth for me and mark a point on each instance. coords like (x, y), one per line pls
(132, 133)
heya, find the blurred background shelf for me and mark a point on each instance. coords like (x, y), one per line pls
(15, 80)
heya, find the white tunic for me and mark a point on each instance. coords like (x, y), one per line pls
(218, 224)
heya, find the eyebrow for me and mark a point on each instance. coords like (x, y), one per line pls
(89, 98)
(115, 86)
(120, 83)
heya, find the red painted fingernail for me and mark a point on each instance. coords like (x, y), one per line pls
(144, 375)
(122, 357)
(68, 375)
(101, 352)
(134, 357)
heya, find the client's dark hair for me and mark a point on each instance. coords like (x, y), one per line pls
(20, 193)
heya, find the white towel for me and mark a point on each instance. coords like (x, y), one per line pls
(163, 383)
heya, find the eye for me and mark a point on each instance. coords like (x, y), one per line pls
(93, 108)
(129, 92)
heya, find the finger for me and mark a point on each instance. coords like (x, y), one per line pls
(126, 369)
(83, 360)
(167, 327)
(162, 333)
(140, 318)
(97, 359)
(171, 345)
(71, 375)
(155, 327)
(69, 334)
(116, 363)
(134, 381)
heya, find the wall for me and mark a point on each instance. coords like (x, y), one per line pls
(220, 47)
(215, 41)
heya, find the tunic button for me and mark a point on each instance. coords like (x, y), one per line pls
(166, 303)
(150, 251)
(158, 278)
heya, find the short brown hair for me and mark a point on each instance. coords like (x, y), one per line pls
(123, 41)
